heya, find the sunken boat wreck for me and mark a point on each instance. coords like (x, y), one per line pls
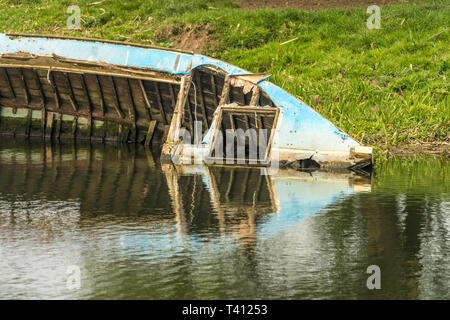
(105, 91)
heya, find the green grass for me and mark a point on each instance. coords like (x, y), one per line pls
(385, 87)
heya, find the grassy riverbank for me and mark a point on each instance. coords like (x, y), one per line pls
(388, 88)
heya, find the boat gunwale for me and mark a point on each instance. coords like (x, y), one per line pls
(130, 44)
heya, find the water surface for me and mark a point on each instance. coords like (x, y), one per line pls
(140, 229)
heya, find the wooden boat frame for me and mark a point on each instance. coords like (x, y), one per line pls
(97, 90)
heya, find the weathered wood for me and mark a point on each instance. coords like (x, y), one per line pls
(26, 94)
(39, 86)
(91, 96)
(78, 114)
(165, 133)
(147, 101)
(159, 102)
(246, 118)
(89, 104)
(201, 98)
(55, 89)
(256, 93)
(225, 96)
(131, 109)
(260, 122)
(233, 126)
(191, 119)
(214, 90)
(8, 81)
(116, 99)
(172, 96)
(178, 113)
(100, 93)
(247, 122)
(73, 102)
(150, 132)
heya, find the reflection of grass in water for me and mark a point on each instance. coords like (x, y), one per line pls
(384, 87)
(420, 174)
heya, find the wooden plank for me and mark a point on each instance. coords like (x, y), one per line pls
(247, 122)
(131, 109)
(73, 102)
(256, 93)
(94, 68)
(260, 122)
(39, 85)
(172, 96)
(150, 132)
(199, 91)
(165, 133)
(214, 90)
(225, 96)
(191, 120)
(178, 114)
(7, 102)
(89, 102)
(8, 81)
(25, 87)
(266, 111)
(100, 93)
(55, 89)
(147, 101)
(246, 118)
(116, 99)
(159, 102)
(233, 126)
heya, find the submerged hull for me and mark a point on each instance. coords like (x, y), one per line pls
(67, 88)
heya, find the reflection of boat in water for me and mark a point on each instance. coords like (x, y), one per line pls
(98, 90)
(124, 182)
(288, 196)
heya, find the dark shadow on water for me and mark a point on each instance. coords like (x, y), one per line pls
(141, 229)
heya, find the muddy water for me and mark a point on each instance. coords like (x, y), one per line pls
(134, 228)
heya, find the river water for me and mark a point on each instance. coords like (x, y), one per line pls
(97, 222)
